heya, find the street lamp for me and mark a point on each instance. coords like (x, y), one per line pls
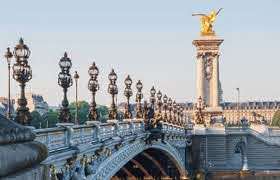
(128, 93)
(182, 115)
(178, 114)
(22, 73)
(76, 77)
(139, 96)
(152, 97)
(113, 90)
(165, 106)
(174, 112)
(159, 101)
(170, 110)
(93, 86)
(65, 81)
(8, 56)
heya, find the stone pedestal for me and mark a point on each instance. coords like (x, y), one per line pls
(207, 75)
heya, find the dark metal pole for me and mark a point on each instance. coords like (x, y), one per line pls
(8, 56)
(76, 77)
(9, 90)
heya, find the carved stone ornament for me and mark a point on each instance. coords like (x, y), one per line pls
(208, 67)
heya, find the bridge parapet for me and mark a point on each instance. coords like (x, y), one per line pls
(60, 138)
(169, 129)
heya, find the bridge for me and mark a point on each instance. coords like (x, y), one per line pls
(128, 149)
(156, 141)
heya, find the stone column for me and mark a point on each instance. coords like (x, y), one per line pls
(207, 48)
(200, 76)
(215, 81)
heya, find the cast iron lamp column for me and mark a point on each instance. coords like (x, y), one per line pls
(170, 110)
(182, 115)
(152, 97)
(178, 114)
(65, 81)
(174, 112)
(139, 96)
(76, 77)
(159, 102)
(113, 90)
(165, 106)
(93, 86)
(8, 56)
(128, 93)
(22, 73)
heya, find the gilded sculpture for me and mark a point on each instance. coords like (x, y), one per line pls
(207, 22)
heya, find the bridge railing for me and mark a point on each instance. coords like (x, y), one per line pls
(60, 138)
(168, 129)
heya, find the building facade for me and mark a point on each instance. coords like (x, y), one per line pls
(36, 102)
(253, 111)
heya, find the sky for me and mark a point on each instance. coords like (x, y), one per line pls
(151, 40)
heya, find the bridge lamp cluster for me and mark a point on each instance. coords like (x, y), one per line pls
(22, 73)
(93, 87)
(113, 90)
(139, 97)
(165, 106)
(65, 81)
(153, 96)
(128, 93)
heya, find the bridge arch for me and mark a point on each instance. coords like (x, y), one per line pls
(109, 167)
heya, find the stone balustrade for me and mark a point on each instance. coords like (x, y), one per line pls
(61, 138)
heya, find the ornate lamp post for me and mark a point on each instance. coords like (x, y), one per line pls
(22, 73)
(174, 112)
(159, 101)
(128, 93)
(113, 90)
(8, 56)
(153, 97)
(76, 77)
(170, 110)
(93, 86)
(182, 115)
(65, 81)
(178, 114)
(139, 96)
(165, 106)
(199, 115)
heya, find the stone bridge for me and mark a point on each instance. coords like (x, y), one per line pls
(127, 150)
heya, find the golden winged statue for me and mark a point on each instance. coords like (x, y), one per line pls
(207, 22)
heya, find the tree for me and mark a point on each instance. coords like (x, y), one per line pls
(36, 119)
(103, 113)
(83, 108)
(51, 119)
(276, 119)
